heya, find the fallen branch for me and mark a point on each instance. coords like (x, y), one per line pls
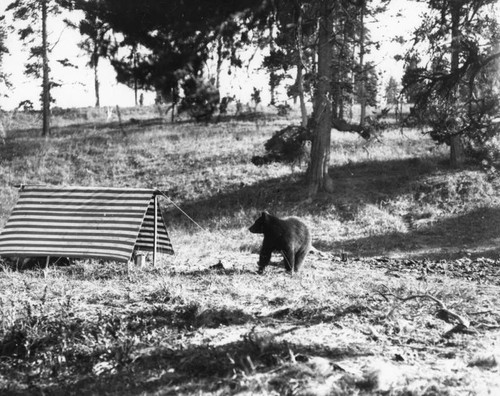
(488, 326)
(462, 324)
(487, 312)
(369, 131)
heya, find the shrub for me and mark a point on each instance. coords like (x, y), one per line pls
(283, 109)
(288, 145)
(201, 98)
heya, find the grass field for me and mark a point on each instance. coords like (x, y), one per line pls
(401, 299)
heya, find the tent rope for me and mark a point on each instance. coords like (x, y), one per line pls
(184, 213)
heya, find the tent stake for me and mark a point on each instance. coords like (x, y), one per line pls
(46, 267)
(155, 243)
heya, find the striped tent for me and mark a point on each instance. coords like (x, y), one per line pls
(85, 222)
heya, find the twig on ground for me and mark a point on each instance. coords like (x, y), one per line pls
(488, 326)
(443, 313)
(462, 324)
(487, 312)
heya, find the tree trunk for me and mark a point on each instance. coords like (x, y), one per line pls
(335, 78)
(362, 94)
(135, 90)
(96, 85)
(134, 60)
(174, 102)
(343, 76)
(300, 88)
(45, 74)
(219, 62)
(272, 74)
(300, 68)
(320, 149)
(456, 148)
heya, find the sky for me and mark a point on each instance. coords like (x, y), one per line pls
(77, 88)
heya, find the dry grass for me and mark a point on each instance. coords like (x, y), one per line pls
(406, 223)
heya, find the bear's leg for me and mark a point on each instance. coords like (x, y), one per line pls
(289, 258)
(299, 259)
(265, 255)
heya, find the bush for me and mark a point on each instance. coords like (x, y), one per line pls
(283, 109)
(288, 145)
(486, 153)
(472, 116)
(201, 98)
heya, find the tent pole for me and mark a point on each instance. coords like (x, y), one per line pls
(155, 240)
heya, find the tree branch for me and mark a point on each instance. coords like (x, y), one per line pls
(442, 313)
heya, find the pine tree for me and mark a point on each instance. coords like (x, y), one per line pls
(34, 13)
(319, 180)
(4, 80)
(392, 90)
(96, 37)
(455, 91)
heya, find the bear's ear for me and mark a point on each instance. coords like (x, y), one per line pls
(265, 214)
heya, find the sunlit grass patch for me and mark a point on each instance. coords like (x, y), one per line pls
(373, 220)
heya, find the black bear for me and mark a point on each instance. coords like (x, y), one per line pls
(289, 236)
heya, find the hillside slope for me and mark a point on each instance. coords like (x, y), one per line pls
(402, 298)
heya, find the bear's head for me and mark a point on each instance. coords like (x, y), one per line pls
(258, 226)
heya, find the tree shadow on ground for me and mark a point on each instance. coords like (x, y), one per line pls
(201, 368)
(178, 365)
(184, 317)
(130, 125)
(27, 143)
(356, 184)
(475, 234)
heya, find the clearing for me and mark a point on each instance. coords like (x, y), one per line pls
(399, 224)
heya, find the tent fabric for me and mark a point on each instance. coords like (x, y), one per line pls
(145, 242)
(83, 222)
